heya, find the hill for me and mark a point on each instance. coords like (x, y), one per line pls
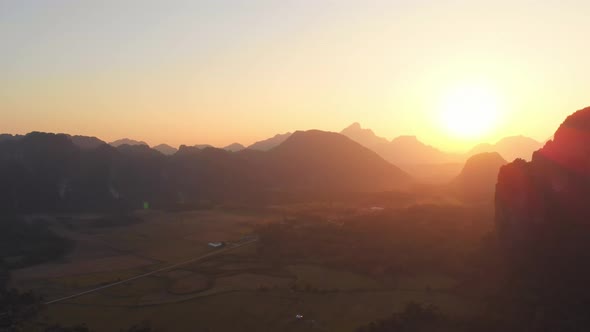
(86, 142)
(127, 141)
(511, 148)
(234, 147)
(408, 150)
(9, 137)
(269, 143)
(329, 161)
(477, 180)
(165, 149)
(365, 137)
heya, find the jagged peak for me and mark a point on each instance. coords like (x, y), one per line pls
(354, 126)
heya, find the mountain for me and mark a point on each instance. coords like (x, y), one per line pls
(165, 149)
(511, 148)
(269, 143)
(477, 180)
(9, 137)
(542, 220)
(365, 137)
(49, 173)
(44, 172)
(330, 161)
(423, 162)
(202, 146)
(234, 147)
(86, 142)
(408, 150)
(127, 141)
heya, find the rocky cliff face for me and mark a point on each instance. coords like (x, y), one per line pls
(543, 216)
(551, 191)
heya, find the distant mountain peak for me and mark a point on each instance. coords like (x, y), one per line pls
(485, 157)
(353, 126)
(319, 159)
(234, 147)
(165, 149)
(409, 150)
(477, 180)
(127, 141)
(270, 143)
(363, 136)
(511, 147)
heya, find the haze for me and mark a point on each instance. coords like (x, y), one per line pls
(187, 72)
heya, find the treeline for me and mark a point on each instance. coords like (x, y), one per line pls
(427, 318)
(405, 241)
(28, 242)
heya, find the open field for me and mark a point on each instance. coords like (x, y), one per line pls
(237, 290)
(104, 255)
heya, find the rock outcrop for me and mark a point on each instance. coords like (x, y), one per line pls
(550, 191)
(543, 224)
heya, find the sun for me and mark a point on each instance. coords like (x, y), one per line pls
(470, 111)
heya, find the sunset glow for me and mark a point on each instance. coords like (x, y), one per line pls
(470, 112)
(218, 72)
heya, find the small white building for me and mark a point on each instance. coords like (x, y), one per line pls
(216, 244)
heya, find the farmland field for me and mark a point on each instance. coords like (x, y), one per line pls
(236, 290)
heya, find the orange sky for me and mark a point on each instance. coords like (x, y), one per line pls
(216, 72)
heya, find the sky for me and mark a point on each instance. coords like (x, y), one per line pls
(217, 72)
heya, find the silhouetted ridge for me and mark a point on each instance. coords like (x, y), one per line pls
(269, 143)
(365, 137)
(9, 137)
(86, 142)
(408, 150)
(511, 148)
(234, 147)
(127, 141)
(165, 149)
(543, 222)
(317, 159)
(203, 146)
(477, 180)
(49, 173)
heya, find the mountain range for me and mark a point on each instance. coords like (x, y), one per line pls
(127, 141)
(511, 148)
(269, 143)
(423, 162)
(43, 172)
(408, 150)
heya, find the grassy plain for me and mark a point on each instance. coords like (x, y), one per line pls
(234, 291)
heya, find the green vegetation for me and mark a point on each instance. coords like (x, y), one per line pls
(426, 318)
(24, 243)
